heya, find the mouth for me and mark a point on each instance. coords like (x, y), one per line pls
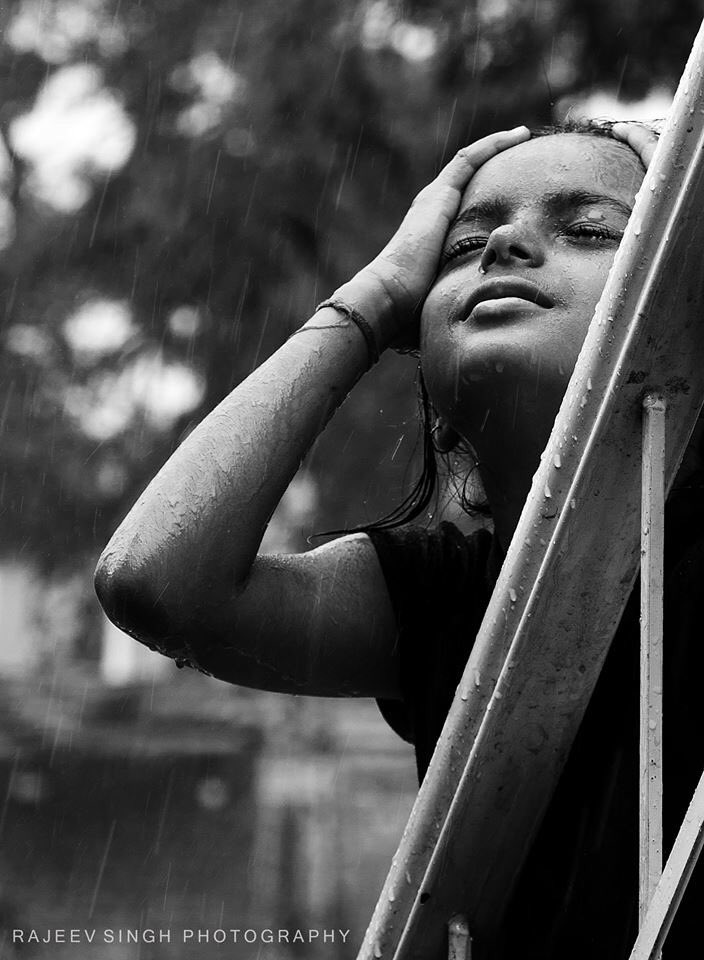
(503, 288)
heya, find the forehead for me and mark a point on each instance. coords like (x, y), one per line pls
(569, 161)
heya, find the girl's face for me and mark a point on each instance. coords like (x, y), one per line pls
(523, 267)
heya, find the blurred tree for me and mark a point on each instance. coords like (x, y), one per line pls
(239, 160)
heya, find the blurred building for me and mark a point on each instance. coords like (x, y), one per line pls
(140, 796)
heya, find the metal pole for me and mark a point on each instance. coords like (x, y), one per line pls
(651, 649)
(459, 942)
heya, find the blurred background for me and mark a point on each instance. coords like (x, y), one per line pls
(180, 182)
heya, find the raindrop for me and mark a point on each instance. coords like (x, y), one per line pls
(589, 383)
(512, 595)
(377, 950)
(652, 725)
(548, 493)
(477, 679)
(498, 694)
(557, 461)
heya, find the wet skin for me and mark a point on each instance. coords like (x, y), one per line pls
(534, 240)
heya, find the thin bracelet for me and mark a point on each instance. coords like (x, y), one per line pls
(356, 317)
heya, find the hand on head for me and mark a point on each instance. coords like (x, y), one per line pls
(399, 278)
(639, 137)
(405, 269)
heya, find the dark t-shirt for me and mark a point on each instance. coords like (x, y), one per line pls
(577, 894)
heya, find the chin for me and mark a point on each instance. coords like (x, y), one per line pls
(519, 351)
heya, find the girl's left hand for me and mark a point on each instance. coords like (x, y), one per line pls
(639, 137)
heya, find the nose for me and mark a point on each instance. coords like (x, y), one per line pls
(512, 243)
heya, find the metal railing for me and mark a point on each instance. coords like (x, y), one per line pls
(537, 656)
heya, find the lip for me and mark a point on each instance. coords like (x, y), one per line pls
(502, 287)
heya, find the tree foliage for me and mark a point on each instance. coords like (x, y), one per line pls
(275, 147)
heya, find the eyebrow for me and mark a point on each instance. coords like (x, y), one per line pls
(496, 208)
(581, 198)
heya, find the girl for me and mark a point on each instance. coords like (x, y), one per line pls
(504, 256)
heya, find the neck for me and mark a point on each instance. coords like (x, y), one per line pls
(508, 444)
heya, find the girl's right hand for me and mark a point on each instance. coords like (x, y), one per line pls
(390, 290)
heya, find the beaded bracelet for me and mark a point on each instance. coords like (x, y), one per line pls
(359, 321)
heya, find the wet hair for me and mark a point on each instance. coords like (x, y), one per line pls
(424, 494)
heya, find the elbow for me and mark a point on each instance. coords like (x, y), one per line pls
(131, 600)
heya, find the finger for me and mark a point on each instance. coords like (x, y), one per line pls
(467, 161)
(639, 138)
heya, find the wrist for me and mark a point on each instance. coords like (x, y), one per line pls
(367, 297)
(355, 317)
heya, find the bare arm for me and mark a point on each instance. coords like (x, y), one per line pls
(181, 572)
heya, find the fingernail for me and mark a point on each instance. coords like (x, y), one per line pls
(522, 129)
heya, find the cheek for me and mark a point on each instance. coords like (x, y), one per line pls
(440, 360)
(588, 280)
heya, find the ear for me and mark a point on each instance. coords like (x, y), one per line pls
(444, 437)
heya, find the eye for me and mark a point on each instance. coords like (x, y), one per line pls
(462, 246)
(589, 231)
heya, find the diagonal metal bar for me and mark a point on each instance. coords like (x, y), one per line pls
(568, 572)
(673, 883)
